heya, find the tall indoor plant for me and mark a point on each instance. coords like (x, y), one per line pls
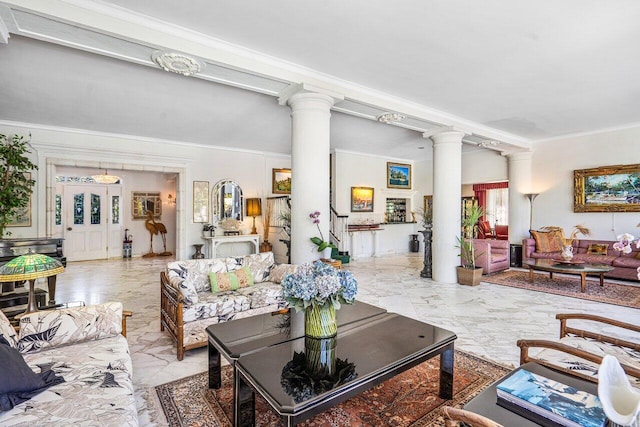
(468, 273)
(16, 184)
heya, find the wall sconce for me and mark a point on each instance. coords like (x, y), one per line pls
(254, 209)
(171, 200)
(531, 197)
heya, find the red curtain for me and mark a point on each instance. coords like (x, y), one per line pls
(480, 191)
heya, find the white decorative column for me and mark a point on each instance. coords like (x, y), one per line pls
(310, 125)
(519, 172)
(447, 190)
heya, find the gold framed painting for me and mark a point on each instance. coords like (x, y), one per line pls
(143, 202)
(281, 181)
(607, 189)
(361, 199)
(398, 175)
(200, 201)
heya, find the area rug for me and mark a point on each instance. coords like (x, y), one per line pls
(611, 293)
(409, 399)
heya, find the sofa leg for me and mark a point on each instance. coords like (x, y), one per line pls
(180, 353)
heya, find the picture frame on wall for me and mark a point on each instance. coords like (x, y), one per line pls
(281, 181)
(427, 208)
(398, 175)
(200, 201)
(143, 202)
(22, 216)
(361, 199)
(607, 189)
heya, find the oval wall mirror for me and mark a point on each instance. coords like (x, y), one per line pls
(226, 201)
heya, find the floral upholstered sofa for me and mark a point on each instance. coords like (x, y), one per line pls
(191, 301)
(84, 346)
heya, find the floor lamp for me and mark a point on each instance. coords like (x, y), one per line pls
(531, 197)
(30, 267)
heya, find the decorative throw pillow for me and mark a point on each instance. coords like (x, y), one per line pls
(18, 382)
(547, 241)
(231, 281)
(7, 331)
(260, 265)
(280, 271)
(598, 248)
(53, 328)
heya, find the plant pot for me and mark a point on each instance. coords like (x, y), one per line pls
(266, 246)
(326, 253)
(469, 276)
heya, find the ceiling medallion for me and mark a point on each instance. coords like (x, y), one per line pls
(488, 143)
(177, 63)
(391, 117)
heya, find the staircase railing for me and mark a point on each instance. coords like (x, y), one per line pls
(338, 230)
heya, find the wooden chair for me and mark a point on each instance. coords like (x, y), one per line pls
(453, 417)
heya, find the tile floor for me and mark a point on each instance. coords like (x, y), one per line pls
(488, 319)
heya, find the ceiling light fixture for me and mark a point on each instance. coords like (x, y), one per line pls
(391, 117)
(488, 143)
(105, 178)
(177, 63)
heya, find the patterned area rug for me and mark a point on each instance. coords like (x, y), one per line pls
(611, 293)
(409, 399)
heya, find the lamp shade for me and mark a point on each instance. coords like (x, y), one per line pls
(254, 207)
(30, 266)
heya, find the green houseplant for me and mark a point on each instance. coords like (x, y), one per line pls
(468, 273)
(16, 184)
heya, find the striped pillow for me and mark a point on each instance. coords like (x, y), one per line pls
(240, 278)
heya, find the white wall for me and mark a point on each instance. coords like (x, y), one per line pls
(553, 166)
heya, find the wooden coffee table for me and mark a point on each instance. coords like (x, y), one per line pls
(577, 269)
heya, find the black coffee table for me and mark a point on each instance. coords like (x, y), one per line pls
(485, 403)
(379, 349)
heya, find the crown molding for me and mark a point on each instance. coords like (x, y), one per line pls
(49, 128)
(130, 26)
(592, 133)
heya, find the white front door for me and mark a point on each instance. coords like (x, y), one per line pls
(86, 222)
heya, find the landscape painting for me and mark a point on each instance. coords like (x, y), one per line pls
(398, 175)
(607, 189)
(281, 181)
(361, 199)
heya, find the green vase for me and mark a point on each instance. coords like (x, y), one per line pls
(320, 321)
(320, 356)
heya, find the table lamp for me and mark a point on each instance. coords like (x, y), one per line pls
(254, 209)
(30, 267)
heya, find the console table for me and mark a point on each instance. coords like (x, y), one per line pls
(213, 243)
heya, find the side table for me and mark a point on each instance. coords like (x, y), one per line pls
(335, 263)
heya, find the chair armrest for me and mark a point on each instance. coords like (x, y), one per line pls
(525, 345)
(125, 314)
(482, 249)
(583, 333)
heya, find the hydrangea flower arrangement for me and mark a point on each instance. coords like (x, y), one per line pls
(318, 284)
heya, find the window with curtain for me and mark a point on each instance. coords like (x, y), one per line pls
(497, 206)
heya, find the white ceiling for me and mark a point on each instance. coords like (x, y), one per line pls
(509, 71)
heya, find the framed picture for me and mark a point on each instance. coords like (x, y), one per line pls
(427, 208)
(361, 199)
(200, 201)
(607, 189)
(281, 181)
(398, 175)
(143, 202)
(22, 216)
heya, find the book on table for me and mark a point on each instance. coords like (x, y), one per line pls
(548, 402)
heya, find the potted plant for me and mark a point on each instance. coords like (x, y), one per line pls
(468, 273)
(16, 184)
(265, 246)
(324, 247)
(208, 229)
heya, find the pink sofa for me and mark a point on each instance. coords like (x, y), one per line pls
(624, 265)
(493, 255)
